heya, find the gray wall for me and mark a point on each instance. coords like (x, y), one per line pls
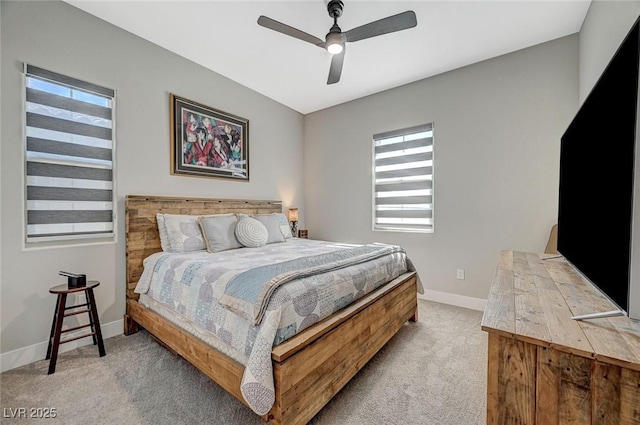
(497, 135)
(61, 38)
(604, 28)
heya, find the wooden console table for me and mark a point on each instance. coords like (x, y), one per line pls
(545, 368)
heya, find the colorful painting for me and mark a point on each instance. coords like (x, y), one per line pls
(206, 142)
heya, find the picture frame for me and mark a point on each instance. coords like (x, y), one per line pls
(206, 142)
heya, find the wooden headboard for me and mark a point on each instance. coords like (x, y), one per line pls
(141, 227)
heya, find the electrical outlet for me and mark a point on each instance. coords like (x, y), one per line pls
(460, 274)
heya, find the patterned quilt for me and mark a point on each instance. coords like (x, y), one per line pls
(191, 284)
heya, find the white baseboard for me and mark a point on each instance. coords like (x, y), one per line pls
(454, 299)
(33, 353)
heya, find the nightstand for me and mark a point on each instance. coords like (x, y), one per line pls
(303, 233)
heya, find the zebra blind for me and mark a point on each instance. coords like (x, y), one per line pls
(69, 157)
(403, 180)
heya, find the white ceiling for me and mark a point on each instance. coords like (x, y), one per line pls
(224, 37)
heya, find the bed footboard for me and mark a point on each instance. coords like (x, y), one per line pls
(316, 369)
(310, 368)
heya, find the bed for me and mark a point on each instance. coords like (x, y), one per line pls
(308, 367)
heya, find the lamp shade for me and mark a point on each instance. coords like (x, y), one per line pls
(293, 214)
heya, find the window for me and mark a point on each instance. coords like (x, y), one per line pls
(403, 180)
(69, 157)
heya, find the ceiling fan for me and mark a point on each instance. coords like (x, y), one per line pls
(335, 40)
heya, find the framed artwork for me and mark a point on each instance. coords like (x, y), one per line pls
(206, 142)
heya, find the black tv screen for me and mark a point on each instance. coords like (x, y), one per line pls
(596, 195)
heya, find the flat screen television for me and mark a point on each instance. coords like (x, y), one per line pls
(599, 193)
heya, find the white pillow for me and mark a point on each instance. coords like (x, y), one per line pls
(251, 233)
(285, 227)
(183, 233)
(164, 235)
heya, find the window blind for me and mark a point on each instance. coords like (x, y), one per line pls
(403, 180)
(69, 157)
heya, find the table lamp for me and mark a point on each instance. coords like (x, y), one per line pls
(293, 219)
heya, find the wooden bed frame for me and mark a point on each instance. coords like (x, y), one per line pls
(310, 368)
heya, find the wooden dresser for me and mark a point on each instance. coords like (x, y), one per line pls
(545, 368)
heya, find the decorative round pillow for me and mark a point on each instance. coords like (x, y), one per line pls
(251, 233)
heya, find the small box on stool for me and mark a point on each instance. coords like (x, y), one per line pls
(75, 280)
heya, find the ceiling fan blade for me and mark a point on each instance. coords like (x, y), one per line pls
(399, 22)
(336, 67)
(290, 31)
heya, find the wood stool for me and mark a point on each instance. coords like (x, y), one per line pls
(56, 327)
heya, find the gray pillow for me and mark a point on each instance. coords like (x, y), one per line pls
(219, 232)
(272, 223)
(251, 233)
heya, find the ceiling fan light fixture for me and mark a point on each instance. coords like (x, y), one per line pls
(335, 43)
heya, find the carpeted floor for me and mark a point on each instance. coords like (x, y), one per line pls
(431, 372)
